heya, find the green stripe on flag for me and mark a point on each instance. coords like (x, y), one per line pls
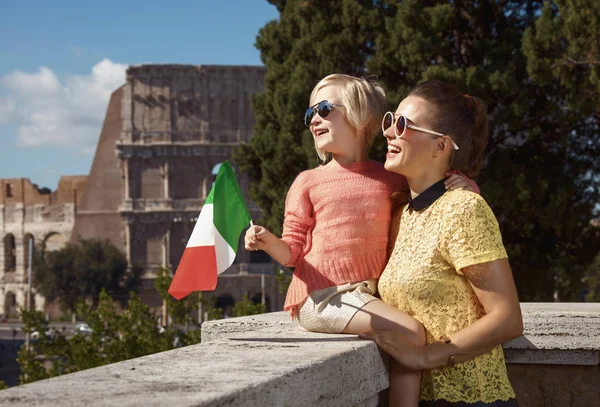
(230, 213)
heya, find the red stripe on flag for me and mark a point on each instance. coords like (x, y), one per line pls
(197, 271)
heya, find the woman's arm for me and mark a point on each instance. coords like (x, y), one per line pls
(494, 286)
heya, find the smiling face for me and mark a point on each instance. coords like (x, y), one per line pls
(333, 134)
(412, 153)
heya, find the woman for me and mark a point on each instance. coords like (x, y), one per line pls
(448, 268)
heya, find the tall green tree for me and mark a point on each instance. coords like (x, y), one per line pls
(82, 270)
(563, 53)
(541, 156)
(564, 46)
(540, 174)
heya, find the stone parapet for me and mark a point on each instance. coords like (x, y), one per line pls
(557, 334)
(266, 360)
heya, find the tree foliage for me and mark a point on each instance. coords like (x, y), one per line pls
(82, 270)
(184, 312)
(114, 336)
(541, 173)
(592, 279)
(564, 46)
(247, 307)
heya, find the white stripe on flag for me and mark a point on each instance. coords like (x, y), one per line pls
(224, 252)
(203, 234)
(206, 234)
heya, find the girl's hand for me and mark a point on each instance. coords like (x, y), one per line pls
(257, 238)
(397, 346)
(457, 181)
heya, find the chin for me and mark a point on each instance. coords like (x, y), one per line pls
(390, 165)
(324, 145)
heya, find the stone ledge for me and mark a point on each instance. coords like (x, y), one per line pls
(213, 330)
(557, 334)
(262, 364)
(554, 333)
(266, 360)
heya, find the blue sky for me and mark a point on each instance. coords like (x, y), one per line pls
(60, 60)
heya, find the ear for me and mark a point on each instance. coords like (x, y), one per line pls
(442, 146)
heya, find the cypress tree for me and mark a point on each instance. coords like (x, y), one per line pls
(540, 175)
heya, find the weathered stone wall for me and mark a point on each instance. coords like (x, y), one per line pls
(539, 385)
(266, 360)
(26, 213)
(98, 216)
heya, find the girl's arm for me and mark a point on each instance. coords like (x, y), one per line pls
(457, 179)
(298, 220)
(260, 238)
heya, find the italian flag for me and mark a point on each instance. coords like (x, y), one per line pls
(214, 240)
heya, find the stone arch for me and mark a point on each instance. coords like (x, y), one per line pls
(54, 241)
(257, 299)
(10, 305)
(26, 249)
(226, 302)
(10, 253)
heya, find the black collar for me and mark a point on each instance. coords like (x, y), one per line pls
(427, 197)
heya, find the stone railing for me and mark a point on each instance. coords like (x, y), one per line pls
(266, 360)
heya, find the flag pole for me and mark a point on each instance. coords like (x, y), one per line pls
(262, 275)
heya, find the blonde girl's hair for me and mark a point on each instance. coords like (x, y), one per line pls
(363, 100)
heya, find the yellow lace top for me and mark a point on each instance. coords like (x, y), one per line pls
(423, 279)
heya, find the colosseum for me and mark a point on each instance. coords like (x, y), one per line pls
(165, 133)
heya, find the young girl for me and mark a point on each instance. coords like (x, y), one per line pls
(336, 225)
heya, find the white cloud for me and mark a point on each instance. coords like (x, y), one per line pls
(49, 111)
(8, 109)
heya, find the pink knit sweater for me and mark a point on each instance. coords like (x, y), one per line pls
(337, 221)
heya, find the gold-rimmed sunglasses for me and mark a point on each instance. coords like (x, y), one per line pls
(400, 123)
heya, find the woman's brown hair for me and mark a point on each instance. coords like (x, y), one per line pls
(460, 116)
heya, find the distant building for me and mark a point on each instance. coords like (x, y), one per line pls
(28, 213)
(166, 131)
